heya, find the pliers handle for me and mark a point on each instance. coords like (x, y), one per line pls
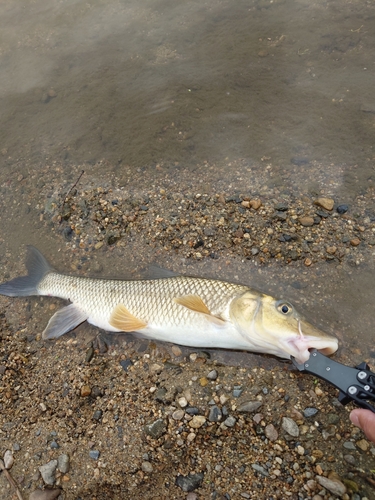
(354, 383)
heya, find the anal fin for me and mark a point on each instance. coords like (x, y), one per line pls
(63, 321)
(123, 320)
(196, 304)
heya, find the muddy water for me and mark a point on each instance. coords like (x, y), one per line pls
(153, 90)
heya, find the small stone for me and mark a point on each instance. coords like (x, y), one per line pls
(63, 463)
(230, 421)
(306, 221)
(54, 445)
(215, 414)
(331, 250)
(349, 445)
(333, 485)
(255, 204)
(147, 467)
(8, 459)
(156, 429)
(203, 381)
(126, 364)
(223, 399)
(260, 469)
(300, 450)
(94, 454)
(85, 391)
(342, 209)
(97, 415)
(249, 406)
(281, 206)
(309, 412)
(271, 433)
(16, 447)
(317, 454)
(290, 427)
(182, 402)
(48, 472)
(98, 245)
(326, 203)
(192, 496)
(156, 369)
(197, 421)
(212, 375)
(178, 415)
(355, 242)
(190, 482)
(307, 262)
(363, 444)
(176, 351)
(351, 485)
(350, 459)
(89, 354)
(45, 494)
(246, 204)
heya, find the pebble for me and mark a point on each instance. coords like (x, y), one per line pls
(355, 242)
(63, 463)
(350, 459)
(203, 381)
(333, 485)
(190, 482)
(45, 494)
(16, 447)
(271, 433)
(178, 414)
(192, 496)
(363, 444)
(306, 221)
(156, 369)
(197, 421)
(97, 415)
(47, 472)
(215, 414)
(230, 421)
(342, 209)
(126, 364)
(260, 469)
(85, 391)
(310, 412)
(349, 445)
(147, 467)
(290, 427)
(182, 402)
(8, 459)
(94, 454)
(212, 375)
(156, 429)
(176, 351)
(249, 406)
(326, 203)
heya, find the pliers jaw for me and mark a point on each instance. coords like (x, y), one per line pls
(355, 384)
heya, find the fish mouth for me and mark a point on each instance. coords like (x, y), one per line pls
(299, 346)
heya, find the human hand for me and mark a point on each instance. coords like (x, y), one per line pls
(365, 420)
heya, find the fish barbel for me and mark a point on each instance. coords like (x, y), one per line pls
(185, 310)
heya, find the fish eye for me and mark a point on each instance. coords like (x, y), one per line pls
(284, 308)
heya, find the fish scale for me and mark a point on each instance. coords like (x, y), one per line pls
(190, 311)
(151, 300)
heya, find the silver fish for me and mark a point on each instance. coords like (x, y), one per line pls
(184, 310)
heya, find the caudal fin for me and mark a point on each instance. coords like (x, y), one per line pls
(37, 267)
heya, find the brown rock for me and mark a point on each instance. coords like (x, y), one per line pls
(255, 204)
(308, 262)
(355, 242)
(246, 204)
(271, 432)
(326, 203)
(85, 391)
(306, 221)
(331, 250)
(362, 444)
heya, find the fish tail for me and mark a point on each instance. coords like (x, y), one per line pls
(37, 267)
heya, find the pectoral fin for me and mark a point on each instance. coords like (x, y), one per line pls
(196, 304)
(63, 321)
(123, 320)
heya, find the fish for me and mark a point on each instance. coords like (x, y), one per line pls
(185, 310)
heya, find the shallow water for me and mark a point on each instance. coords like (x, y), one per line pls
(140, 93)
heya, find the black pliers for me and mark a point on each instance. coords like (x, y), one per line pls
(355, 384)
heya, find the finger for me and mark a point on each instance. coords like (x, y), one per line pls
(364, 419)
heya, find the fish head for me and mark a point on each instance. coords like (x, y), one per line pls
(275, 327)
